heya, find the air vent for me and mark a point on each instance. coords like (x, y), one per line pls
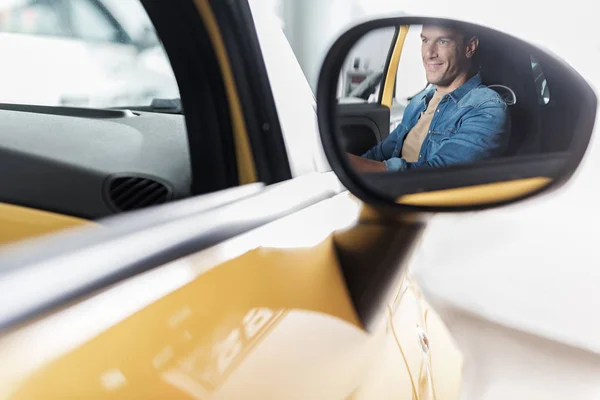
(127, 193)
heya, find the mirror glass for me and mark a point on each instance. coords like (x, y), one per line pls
(441, 105)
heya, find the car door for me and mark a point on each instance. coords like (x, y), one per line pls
(371, 110)
(280, 291)
(364, 103)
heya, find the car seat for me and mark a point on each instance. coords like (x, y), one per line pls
(499, 72)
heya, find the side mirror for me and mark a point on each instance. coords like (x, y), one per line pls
(465, 118)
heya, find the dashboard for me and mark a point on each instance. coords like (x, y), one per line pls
(91, 163)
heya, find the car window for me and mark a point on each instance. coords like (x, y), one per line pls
(90, 23)
(410, 77)
(37, 17)
(541, 84)
(362, 73)
(84, 19)
(87, 54)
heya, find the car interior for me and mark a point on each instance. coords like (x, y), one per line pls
(518, 76)
(510, 74)
(91, 163)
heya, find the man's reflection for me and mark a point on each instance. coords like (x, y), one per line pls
(457, 120)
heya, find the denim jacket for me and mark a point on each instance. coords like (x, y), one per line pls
(470, 124)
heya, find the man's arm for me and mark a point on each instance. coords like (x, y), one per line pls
(385, 149)
(362, 165)
(484, 133)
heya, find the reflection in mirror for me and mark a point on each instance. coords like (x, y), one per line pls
(360, 78)
(441, 95)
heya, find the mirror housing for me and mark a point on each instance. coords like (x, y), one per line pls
(469, 186)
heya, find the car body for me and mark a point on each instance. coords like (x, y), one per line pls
(238, 345)
(295, 289)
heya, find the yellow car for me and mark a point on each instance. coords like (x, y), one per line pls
(204, 248)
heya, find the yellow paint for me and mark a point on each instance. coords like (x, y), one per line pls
(390, 80)
(254, 317)
(404, 359)
(436, 374)
(20, 223)
(446, 359)
(245, 159)
(476, 195)
(190, 342)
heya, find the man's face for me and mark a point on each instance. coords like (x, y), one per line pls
(444, 54)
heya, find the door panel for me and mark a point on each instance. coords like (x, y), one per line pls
(363, 125)
(263, 314)
(56, 261)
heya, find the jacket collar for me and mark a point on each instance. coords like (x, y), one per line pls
(458, 93)
(466, 87)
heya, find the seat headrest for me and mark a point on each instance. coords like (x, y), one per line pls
(506, 93)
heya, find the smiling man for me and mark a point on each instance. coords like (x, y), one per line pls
(456, 120)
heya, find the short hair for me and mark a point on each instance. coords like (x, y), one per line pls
(467, 32)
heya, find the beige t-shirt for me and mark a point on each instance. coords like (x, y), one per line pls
(416, 136)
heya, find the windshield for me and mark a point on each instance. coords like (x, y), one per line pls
(83, 53)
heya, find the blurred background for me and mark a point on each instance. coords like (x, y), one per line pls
(311, 26)
(104, 53)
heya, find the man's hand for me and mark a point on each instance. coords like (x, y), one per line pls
(365, 165)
